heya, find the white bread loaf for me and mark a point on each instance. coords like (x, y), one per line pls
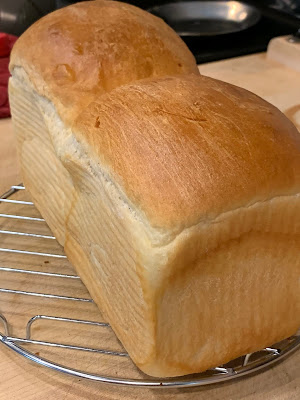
(176, 198)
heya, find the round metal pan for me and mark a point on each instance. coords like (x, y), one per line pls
(207, 18)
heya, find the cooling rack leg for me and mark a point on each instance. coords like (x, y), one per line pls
(5, 324)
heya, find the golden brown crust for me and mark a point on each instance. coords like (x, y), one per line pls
(186, 149)
(79, 52)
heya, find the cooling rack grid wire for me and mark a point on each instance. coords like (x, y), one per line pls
(24, 215)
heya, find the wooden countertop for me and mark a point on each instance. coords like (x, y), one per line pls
(21, 379)
(9, 166)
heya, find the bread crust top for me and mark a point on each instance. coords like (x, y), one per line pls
(185, 149)
(79, 52)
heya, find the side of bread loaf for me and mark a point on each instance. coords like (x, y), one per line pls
(177, 201)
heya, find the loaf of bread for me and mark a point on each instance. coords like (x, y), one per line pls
(175, 196)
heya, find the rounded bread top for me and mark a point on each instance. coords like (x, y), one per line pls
(81, 51)
(186, 149)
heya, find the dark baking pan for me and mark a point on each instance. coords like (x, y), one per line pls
(207, 18)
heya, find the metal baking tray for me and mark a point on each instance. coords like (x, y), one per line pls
(207, 18)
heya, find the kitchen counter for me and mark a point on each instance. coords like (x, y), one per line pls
(21, 379)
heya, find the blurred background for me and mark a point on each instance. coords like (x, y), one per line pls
(213, 30)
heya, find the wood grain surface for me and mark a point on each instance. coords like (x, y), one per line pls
(9, 165)
(20, 379)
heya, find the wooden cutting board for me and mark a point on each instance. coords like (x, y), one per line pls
(279, 84)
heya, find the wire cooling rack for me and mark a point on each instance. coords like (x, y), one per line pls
(31, 257)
